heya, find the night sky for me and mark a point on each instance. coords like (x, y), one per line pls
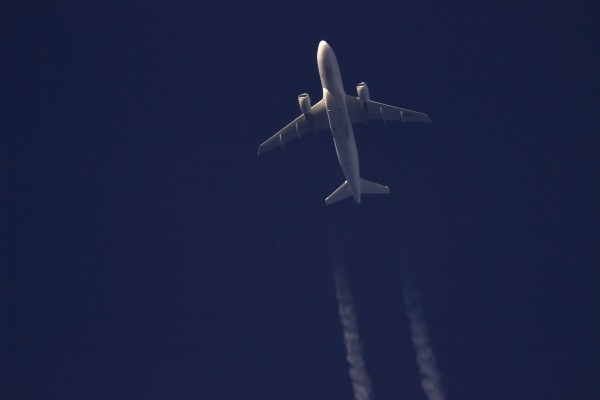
(148, 253)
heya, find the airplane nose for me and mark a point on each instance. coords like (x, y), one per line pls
(323, 46)
(323, 51)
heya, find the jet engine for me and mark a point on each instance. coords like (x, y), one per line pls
(363, 92)
(304, 101)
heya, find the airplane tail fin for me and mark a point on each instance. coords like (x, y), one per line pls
(366, 187)
(339, 194)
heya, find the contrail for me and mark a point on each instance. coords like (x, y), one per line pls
(431, 379)
(361, 381)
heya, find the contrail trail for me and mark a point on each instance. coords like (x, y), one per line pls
(431, 379)
(361, 381)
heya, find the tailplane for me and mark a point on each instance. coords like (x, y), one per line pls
(339, 194)
(366, 187)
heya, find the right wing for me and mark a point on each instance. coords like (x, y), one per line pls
(316, 120)
(380, 111)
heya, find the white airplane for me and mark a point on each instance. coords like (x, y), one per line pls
(338, 111)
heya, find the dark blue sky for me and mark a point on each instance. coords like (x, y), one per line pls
(148, 253)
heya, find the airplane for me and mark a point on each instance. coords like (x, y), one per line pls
(337, 111)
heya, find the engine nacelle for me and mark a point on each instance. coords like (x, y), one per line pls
(304, 101)
(363, 92)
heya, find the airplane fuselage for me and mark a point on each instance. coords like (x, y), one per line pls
(339, 120)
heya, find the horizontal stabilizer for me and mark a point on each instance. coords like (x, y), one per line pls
(368, 187)
(340, 193)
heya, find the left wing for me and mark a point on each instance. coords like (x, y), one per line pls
(316, 120)
(379, 111)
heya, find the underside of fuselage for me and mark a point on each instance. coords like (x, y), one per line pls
(339, 121)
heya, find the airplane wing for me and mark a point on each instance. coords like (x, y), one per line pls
(316, 120)
(380, 111)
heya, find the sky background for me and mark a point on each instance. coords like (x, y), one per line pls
(148, 253)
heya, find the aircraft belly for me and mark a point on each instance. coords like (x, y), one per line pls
(345, 147)
(343, 137)
(339, 121)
